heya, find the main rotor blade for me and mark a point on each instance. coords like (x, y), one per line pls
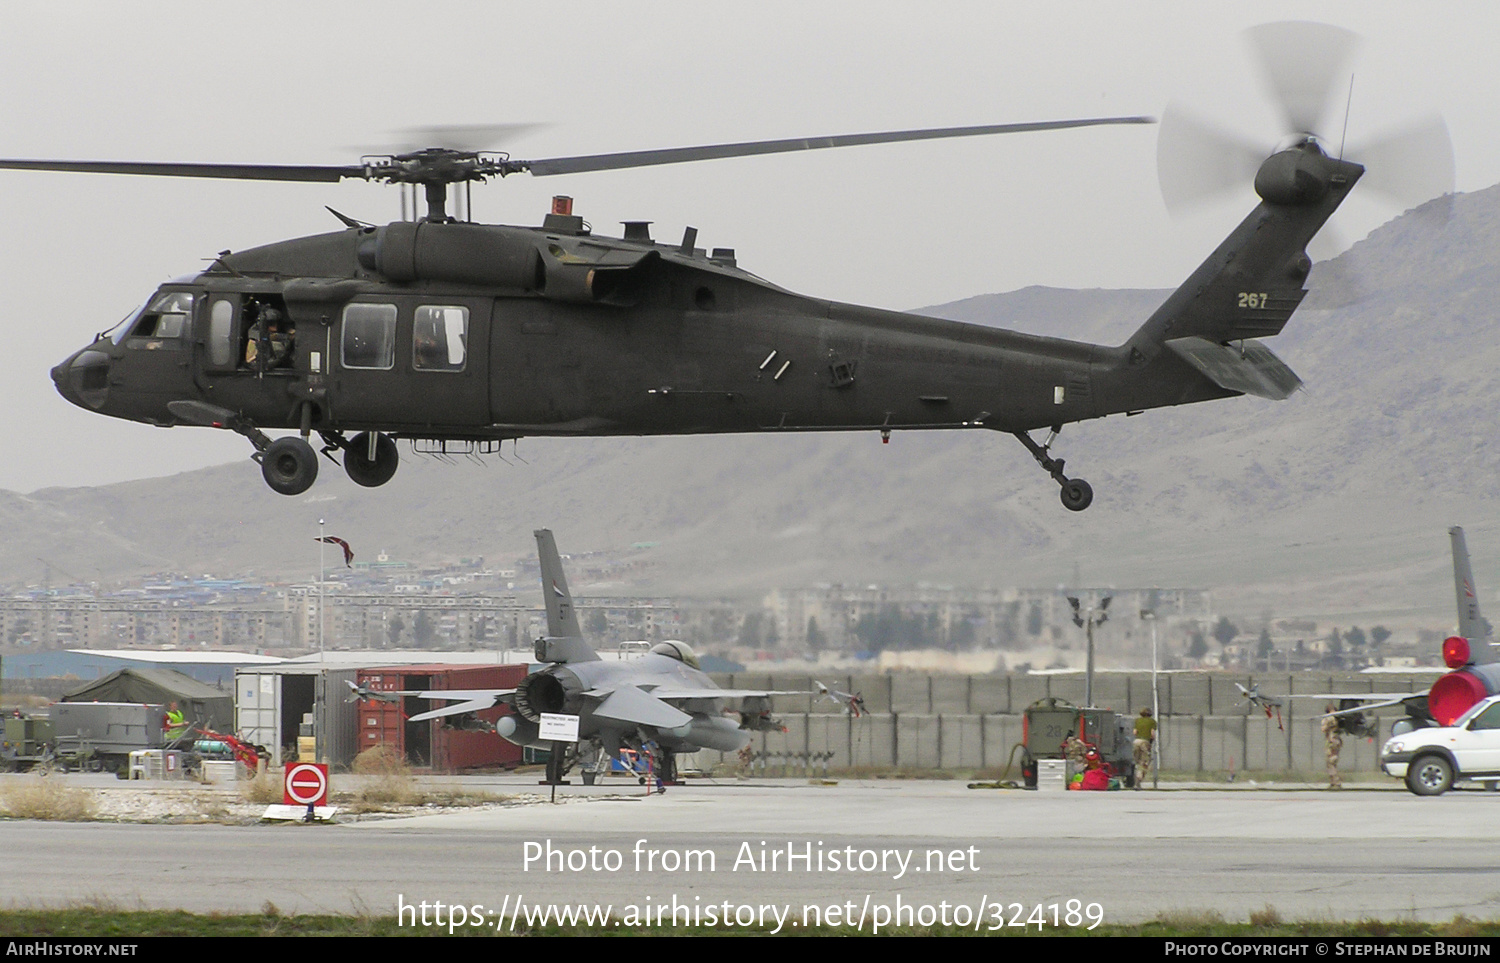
(679, 155)
(1301, 63)
(249, 172)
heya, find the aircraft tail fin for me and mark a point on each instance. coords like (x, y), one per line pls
(562, 621)
(1471, 624)
(1249, 287)
(564, 641)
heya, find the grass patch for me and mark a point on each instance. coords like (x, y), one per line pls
(39, 797)
(388, 784)
(272, 921)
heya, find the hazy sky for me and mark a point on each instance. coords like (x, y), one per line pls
(899, 226)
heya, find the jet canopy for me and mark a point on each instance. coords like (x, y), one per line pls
(674, 649)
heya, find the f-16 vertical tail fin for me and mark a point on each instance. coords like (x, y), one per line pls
(562, 621)
(564, 641)
(1471, 625)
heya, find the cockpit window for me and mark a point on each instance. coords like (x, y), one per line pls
(119, 331)
(165, 317)
(673, 649)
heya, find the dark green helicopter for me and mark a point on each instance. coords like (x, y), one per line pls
(459, 336)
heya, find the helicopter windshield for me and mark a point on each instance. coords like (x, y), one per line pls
(165, 317)
(118, 332)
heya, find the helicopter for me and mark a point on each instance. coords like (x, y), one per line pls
(457, 336)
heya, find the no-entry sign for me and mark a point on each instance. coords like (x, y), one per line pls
(306, 785)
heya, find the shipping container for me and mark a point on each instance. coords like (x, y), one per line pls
(271, 702)
(440, 745)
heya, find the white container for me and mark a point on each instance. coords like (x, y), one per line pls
(221, 772)
(1051, 775)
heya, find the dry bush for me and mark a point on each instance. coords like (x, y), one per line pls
(1460, 925)
(380, 760)
(1266, 918)
(264, 790)
(42, 798)
(388, 780)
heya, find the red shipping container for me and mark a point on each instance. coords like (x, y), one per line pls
(432, 745)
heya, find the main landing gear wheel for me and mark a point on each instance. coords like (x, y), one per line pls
(1077, 494)
(289, 466)
(370, 459)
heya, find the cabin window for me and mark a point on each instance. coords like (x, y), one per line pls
(369, 336)
(440, 338)
(221, 333)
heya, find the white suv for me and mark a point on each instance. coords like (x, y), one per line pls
(1433, 759)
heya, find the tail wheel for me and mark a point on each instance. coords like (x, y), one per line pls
(289, 466)
(371, 458)
(1429, 776)
(1077, 494)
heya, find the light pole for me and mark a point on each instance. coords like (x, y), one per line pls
(322, 544)
(1097, 615)
(1149, 615)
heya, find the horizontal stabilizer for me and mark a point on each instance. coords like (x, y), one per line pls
(1248, 367)
(663, 692)
(477, 701)
(630, 704)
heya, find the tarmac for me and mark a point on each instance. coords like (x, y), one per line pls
(864, 852)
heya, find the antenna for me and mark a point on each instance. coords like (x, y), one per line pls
(1347, 105)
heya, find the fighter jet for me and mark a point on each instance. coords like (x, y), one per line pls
(1471, 654)
(659, 704)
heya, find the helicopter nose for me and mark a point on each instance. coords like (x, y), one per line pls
(83, 378)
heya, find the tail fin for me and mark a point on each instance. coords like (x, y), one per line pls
(1247, 289)
(564, 641)
(1471, 625)
(562, 621)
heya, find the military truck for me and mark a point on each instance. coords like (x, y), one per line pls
(27, 741)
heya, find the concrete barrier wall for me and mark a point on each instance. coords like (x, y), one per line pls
(918, 721)
(975, 743)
